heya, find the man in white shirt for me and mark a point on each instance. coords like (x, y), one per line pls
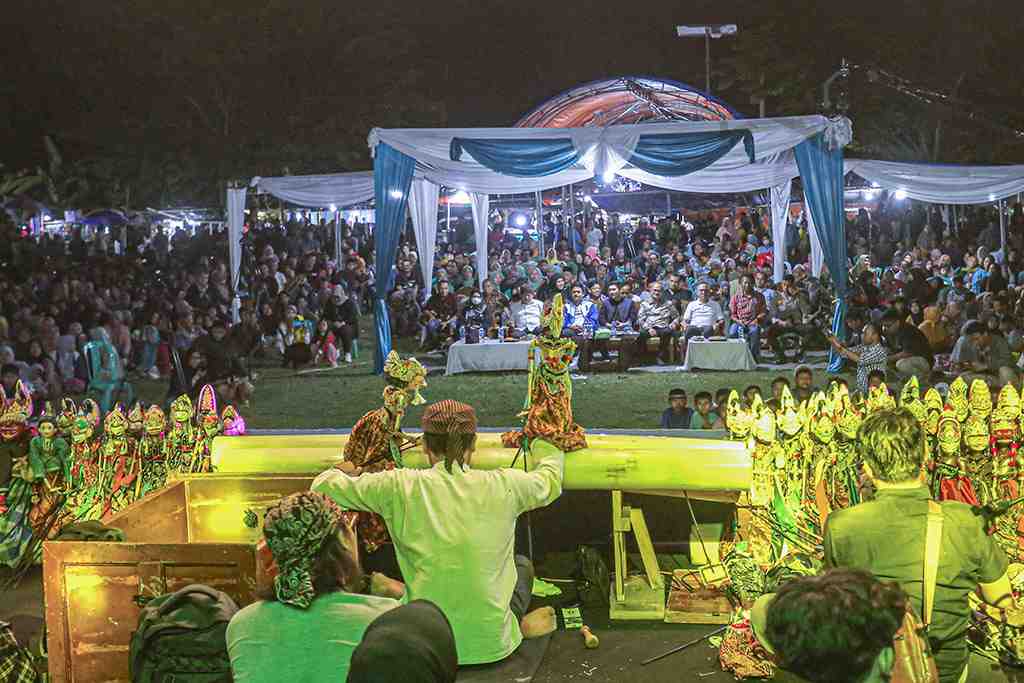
(454, 528)
(701, 316)
(526, 312)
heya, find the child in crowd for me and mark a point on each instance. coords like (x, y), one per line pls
(704, 417)
(678, 414)
(875, 379)
(324, 347)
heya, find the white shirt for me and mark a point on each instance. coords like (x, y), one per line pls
(526, 316)
(702, 315)
(594, 238)
(454, 535)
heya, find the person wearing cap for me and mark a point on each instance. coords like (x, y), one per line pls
(454, 526)
(307, 626)
(678, 414)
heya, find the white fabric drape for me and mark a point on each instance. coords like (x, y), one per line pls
(606, 150)
(337, 240)
(236, 219)
(780, 216)
(423, 200)
(817, 255)
(942, 184)
(480, 204)
(319, 191)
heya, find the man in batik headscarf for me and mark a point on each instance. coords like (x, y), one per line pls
(307, 627)
(453, 528)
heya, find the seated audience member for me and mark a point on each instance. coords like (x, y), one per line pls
(778, 384)
(934, 330)
(413, 644)
(462, 560)
(678, 414)
(870, 355)
(911, 352)
(750, 392)
(703, 417)
(307, 627)
(701, 316)
(748, 312)
(525, 311)
(980, 352)
(343, 317)
(440, 317)
(803, 384)
(655, 320)
(836, 627)
(886, 536)
(876, 378)
(579, 322)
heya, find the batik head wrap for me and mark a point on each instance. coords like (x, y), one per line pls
(296, 529)
(449, 417)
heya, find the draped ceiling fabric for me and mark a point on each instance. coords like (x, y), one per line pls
(940, 183)
(480, 205)
(423, 200)
(780, 217)
(820, 159)
(236, 220)
(319, 191)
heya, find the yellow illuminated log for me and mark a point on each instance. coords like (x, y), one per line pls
(611, 462)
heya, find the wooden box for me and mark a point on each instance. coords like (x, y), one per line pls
(692, 603)
(192, 531)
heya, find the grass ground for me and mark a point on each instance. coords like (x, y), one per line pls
(337, 398)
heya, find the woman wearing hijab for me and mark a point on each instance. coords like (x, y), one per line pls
(412, 644)
(308, 626)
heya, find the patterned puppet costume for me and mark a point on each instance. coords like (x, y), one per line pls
(377, 441)
(86, 485)
(48, 469)
(549, 397)
(208, 427)
(152, 452)
(120, 462)
(181, 437)
(15, 496)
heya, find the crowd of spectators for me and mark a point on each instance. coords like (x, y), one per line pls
(926, 297)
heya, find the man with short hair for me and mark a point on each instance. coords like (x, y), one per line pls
(912, 354)
(701, 317)
(454, 528)
(803, 383)
(655, 320)
(678, 414)
(982, 354)
(886, 536)
(579, 322)
(525, 311)
(748, 312)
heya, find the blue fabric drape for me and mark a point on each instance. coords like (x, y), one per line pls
(392, 180)
(677, 154)
(520, 158)
(821, 170)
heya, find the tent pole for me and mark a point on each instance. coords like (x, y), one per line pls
(572, 219)
(538, 206)
(1002, 228)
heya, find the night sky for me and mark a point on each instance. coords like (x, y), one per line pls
(263, 86)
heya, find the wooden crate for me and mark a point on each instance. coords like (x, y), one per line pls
(689, 602)
(192, 531)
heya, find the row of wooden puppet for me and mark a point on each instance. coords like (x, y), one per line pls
(67, 470)
(806, 459)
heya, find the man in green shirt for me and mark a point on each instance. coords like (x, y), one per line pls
(886, 537)
(454, 527)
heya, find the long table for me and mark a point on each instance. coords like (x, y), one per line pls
(487, 356)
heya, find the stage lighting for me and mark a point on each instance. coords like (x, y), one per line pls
(520, 220)
(333, 208)
(608, 176)
(396, 194)
(460, 197)
(900, 194)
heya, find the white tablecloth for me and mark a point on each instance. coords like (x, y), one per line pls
(489, 356)
(718, 355)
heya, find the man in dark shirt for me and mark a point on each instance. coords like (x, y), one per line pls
(440, 315)
(678, 414)
(911, 353)
(886, 536)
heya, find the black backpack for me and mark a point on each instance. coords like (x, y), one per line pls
(181, 637)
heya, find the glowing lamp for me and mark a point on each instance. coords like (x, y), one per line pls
(396, 194)
(333, 208)
(900, 194)
(608, 176)
(520, 220)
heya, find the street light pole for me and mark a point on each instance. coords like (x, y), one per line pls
(708, 31)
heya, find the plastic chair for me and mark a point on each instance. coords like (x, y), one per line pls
(106, 375)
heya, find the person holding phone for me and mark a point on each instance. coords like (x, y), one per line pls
(870, 355)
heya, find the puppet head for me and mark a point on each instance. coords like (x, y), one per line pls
(234, 423)
(1004, 421)
(181, 410)
(848, 418)
(910, 398)
(822, 418)
(14, 412)
(948, 435)
(957, 398)
(554, 318)
(155, 421)
(66, 417)
(980, 399)
(764, 421)
(136, 421)
(879, 398)
(933, 410)
(207, 418)
(738, 420)
(84, 426)
(406, 375)
(115, 424)
(47, 427)
(790, 420)
(976, 434)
